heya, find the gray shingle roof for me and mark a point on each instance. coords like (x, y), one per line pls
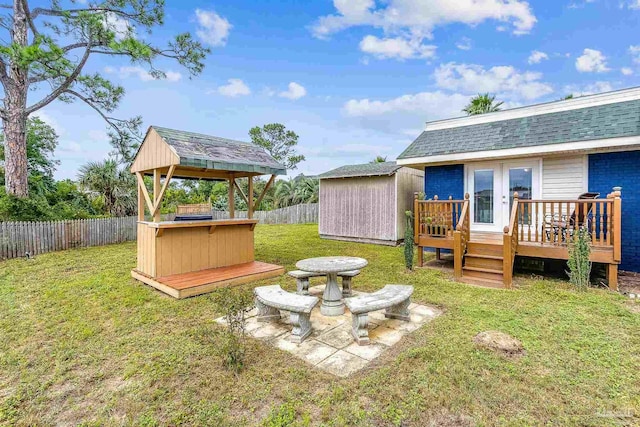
(597, 122)
(211, 152)
(367, 169)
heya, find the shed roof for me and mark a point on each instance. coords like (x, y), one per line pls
(611, 120)
(366, 169)
(196, 150)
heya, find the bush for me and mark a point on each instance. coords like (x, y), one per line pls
(234, 304)
(408, 241)
(578, 263)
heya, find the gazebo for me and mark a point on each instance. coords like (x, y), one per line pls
(195, 254)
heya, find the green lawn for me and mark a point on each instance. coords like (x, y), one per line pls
(83, 343)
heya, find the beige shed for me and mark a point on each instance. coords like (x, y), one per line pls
(367, 203)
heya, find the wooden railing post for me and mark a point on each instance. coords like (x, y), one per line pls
(617, 225)
(457, 254)
(507, 268)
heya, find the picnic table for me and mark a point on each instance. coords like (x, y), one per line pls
(332, 303)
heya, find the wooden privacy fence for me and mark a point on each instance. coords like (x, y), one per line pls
(19, 238)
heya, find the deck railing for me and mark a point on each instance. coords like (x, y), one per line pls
(554, 222)
(436, 217)
(461, 237)
(510, 243)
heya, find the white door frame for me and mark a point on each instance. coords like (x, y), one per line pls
(501, 211)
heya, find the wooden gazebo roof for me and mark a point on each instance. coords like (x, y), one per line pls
(195, 155)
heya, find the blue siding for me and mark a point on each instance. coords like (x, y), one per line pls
(608, 170)
(444, 181)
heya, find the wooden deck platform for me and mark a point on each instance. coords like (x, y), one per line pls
(201, 282)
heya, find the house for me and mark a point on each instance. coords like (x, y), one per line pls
(367, 202)
(547, 155)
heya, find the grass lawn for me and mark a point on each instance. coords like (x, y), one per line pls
(83, 343)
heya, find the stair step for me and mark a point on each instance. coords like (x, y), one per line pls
(483, 261)
(480, 248)
(486, 283)
(482, 273)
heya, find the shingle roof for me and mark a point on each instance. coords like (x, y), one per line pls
(212, 152)
(367, 169)
(597, 122)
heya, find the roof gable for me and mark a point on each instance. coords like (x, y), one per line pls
(590, 123)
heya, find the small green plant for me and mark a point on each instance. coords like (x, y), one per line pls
(578, 263)
(234, 304)
(408, 241)
(281, 416)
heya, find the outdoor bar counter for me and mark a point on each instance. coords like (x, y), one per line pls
(174, 247)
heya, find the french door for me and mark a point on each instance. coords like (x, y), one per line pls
(491, 186)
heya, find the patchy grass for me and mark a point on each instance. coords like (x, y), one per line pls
(84, 343)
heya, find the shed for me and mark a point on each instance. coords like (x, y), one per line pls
(195, 254)
(367, 202)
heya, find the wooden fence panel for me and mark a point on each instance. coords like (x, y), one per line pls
(19, 238)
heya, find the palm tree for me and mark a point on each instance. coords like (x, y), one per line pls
(482, 103)
(379, 159)
(114, 185)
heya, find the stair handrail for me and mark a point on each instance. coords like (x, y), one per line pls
(510, 244)
(461, 237)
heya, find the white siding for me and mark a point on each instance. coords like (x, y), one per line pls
(564, 177)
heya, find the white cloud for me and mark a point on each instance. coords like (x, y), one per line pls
(634, 51)
(49, 120)
(212, 29)
(398, 48)
(590, 89)
(536, 57)
(121, 27)
(632, 4)
(420, 17)
(626, 71)
(141, 73)
(431, 105)
(505, 80)
(591, 61)
(464, 43)
(233, 88)
(294, 91)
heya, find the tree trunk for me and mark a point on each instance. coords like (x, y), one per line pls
(15, 122)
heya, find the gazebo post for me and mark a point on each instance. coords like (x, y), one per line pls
(250, 198)
(140, 204)
(232, 201)
(156, 194)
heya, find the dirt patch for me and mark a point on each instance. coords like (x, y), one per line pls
(629, 283)
(633, 307)
(499, 342)
(447, 419)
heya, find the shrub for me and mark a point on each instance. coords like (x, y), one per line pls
(234, 304)
(408, 241)
(578, 263)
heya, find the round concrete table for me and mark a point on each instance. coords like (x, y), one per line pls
(332, 304)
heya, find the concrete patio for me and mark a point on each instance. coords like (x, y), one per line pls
(331, 346)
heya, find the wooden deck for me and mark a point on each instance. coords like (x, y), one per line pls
(537, 229)
(200, 282)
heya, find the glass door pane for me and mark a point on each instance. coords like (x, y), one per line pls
(483, 196)
(520, 180)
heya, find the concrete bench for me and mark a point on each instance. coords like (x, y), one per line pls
(271, 299)
(394, 298)
(302, 280)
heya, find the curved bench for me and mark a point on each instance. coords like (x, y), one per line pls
(394, 298)
(271, 299)
(302, 280)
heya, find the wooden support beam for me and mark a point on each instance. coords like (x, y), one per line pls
(232, 202)
(158, 203)
(212, 228)
(244, 196)
(156, 193)
(140, 204)
(266, 187)
(250, 198)
(145, 193)
(612, 276)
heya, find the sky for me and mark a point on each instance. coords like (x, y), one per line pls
(358, 78)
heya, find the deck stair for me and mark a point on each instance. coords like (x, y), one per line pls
(483, 263)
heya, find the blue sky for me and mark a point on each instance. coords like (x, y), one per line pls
(358, 78)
